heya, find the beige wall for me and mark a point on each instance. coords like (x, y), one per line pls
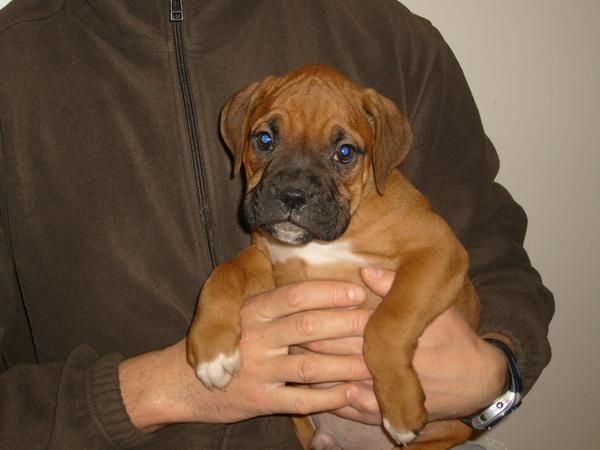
(534, 68)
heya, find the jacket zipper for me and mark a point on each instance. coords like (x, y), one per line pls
(176, 18)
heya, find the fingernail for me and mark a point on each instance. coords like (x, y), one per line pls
(355, 295)
(352, 393)
(374, 272)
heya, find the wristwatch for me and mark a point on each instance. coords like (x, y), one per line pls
(507, 402)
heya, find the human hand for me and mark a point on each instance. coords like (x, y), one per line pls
(159, 388)
(460, 372)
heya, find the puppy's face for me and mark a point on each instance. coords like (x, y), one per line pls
(311, 143)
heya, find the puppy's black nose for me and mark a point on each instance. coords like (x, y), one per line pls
(293, 198)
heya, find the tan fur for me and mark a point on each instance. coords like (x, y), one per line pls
(392, 227)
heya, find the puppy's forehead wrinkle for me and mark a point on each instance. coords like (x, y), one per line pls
(311, 89)
(321, 120)
(292, 125)
(314, 110)
(306, 82)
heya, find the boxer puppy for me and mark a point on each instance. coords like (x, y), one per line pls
(323, 200)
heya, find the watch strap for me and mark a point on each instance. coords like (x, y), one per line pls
(507, 402)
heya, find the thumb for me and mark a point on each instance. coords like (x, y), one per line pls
(377, 279)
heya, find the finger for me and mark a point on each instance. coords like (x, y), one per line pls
(446, 327)
(304, 296)
(342, 346)
(351, 413)
(314, 368)
(312, 326)
(366, 403)
(365, 408)
(303, 401)
(377, 279)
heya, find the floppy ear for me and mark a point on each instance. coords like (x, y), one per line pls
(234, 119)
(392, 135)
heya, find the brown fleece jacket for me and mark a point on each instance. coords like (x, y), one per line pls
(116, 197)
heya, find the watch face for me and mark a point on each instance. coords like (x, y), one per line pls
(501, 416)
(503, 406)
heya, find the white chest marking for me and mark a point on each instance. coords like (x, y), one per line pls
(314, 253)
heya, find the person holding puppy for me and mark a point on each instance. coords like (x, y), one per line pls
(116, 203)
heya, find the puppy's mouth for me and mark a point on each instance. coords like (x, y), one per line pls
(288, 232)
(295, 204)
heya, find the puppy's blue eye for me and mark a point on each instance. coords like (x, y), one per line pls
(344, 153)
(264, 141)
(265, 138)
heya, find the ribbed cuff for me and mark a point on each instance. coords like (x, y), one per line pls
(107, 405)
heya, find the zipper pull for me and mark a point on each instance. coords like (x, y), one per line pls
(176, 10)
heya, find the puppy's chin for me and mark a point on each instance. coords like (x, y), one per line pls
(288, 233)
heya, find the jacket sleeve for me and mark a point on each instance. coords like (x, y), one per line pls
(74, 403)
(454, 164)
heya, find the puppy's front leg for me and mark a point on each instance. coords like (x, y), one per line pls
(213, 339)
(428, 281)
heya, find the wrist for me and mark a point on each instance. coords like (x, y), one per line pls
(508, 401)
(151, 389)
(495, 373)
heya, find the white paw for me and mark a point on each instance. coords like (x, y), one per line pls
(401, 437)
(219, 372)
